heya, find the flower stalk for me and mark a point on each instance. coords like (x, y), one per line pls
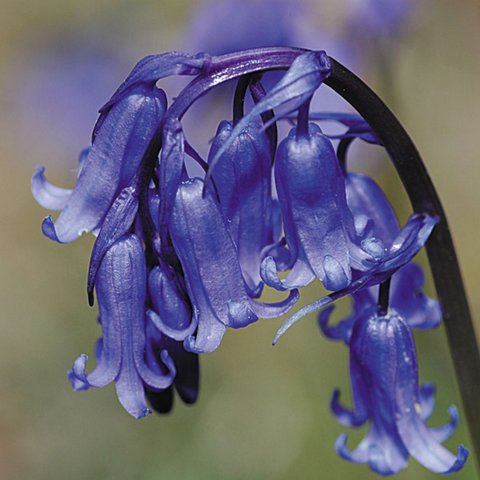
(440, 250)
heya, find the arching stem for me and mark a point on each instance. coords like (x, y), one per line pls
(440, 249)
(383, 297)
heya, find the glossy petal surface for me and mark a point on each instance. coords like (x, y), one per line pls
(212, 272)
(383, 361)
(113, 160)
(121, 304)
(243, 180)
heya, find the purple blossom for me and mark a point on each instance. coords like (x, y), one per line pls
(245, 194)
(120, 352)
(179, 260)
(216, 287)
(117, 151)
(384, 377)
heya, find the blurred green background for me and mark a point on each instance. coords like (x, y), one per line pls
(263, 412)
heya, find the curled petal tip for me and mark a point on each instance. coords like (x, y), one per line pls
(46, 194)
(299, 315)
(169, 363)
(462, 456)
(48, 229)
(76, 375)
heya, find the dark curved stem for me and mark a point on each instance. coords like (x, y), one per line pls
(239, 98)
(342, 150)
(383, 297)
(440, 249)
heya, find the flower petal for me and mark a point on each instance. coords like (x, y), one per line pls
(300, 275)
(243, 181)
(118, 221)
(426, 398)
(172, 315)
(365, 198)
(341, 331)
(129, 388)
(170, 171)
(209, 333)
(382, 454)
(46, 194)
(155, 67)
(343, 415)
(420, 441)
(311, 191)
(419, 310)
(208, 256)
(113, 159)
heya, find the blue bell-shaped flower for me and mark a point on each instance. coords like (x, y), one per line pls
(385, 389)
(121, 291)
(214, 281)
(243, 181)
(318, 224)
(119, 145)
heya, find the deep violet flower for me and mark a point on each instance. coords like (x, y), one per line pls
(216, 287)
(178, 260)
(323, 240)
(384, 376)
(318, 224)
(118, 148)
(120, 353)
(243, 181)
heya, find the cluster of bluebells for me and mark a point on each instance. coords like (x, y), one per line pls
(180, 258)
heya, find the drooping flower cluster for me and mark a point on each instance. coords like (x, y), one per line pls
(178, 259)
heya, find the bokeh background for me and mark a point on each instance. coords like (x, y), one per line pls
(263, 412)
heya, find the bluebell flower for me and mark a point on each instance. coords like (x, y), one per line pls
(320, 231)
(118, 148)
(216, 287)
(243, 181)
(377, 262)
(318, 224)
(384, 376)
(179, 260)
(120, 352)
